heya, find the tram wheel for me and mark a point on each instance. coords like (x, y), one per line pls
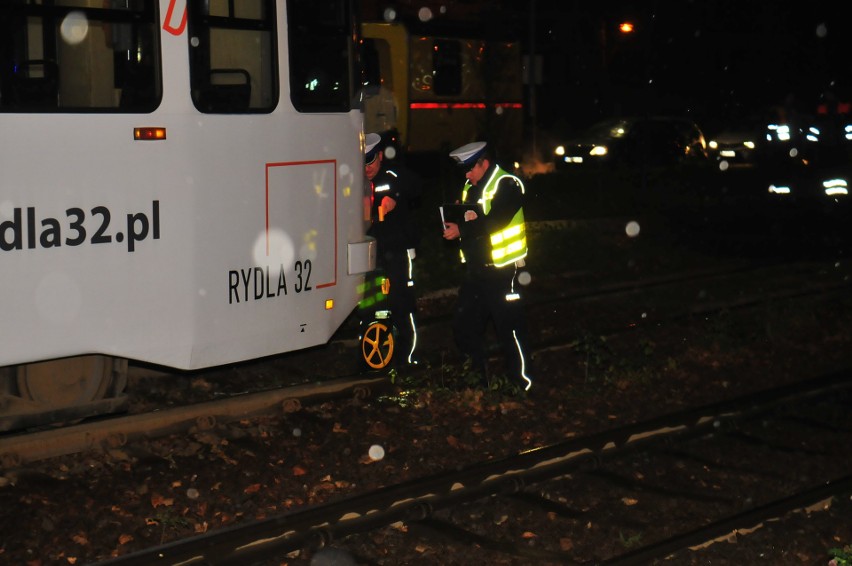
(67, 382)
(377, 345)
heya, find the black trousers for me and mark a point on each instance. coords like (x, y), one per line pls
(402, 302)
(491, 293)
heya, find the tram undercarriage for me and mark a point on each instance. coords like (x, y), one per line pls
(61, 391)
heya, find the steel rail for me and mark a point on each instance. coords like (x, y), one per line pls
(417, 499)
(20, 448)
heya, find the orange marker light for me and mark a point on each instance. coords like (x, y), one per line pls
(149, 133)
(329, 304)
(626, 27)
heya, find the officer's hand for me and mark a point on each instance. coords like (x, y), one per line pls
(451, 230)
(470, 215)
(388, 204)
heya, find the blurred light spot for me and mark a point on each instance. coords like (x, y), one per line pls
(794, 152)
(202, 292)
(390, 152)
(524, 277)
(632, 229)
(309, 245)
(281, 249)
(723, 165)
(389, 14)
(376, 452)
(424, 14)
(297, 432)
(74, 27)
(821, 30)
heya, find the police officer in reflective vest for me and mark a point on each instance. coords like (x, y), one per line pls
(492, 237)
(394, 225)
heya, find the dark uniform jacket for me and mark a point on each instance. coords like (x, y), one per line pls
(399, 230)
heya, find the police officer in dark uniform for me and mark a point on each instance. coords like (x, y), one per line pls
(493, 244)
(396, 192)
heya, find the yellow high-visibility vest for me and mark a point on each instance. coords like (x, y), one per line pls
(508, 244)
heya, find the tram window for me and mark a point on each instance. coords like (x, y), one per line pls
(79, 56)
(447, 67)
(233, 56)
(372, 75)
(321, 50)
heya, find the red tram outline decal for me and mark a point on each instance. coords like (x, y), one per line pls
(167, 22)
(333, 162)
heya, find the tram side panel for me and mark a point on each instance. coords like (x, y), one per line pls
(223, 241)
(273, 250)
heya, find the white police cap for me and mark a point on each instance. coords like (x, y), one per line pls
(467, 154)
(372, 148)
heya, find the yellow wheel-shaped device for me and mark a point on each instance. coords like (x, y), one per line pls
(377, 345)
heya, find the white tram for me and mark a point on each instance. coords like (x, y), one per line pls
(181, 183)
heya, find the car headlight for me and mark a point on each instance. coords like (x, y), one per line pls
(599, 150)
(560, 150)
(713, 144)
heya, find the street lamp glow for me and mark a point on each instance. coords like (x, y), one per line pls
(625, 27)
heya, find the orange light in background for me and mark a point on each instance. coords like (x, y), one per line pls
(149, 133)
(625, 27)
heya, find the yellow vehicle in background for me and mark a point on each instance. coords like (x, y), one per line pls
(433, 93)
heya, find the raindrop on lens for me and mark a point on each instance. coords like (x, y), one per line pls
(376, 452)
(524, 277)
(192, 493)
(74, 27)
(297, 432)
(632, 229)
(723, 165)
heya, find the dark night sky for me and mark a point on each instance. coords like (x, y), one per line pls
(713, 59)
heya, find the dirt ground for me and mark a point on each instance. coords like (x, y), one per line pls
(82, 509)
(86, 508)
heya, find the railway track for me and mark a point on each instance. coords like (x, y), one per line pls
(257, 430)
(656, 302)
(740, 463)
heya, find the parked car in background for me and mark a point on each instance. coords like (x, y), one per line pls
(649, 140)
(738, 143)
